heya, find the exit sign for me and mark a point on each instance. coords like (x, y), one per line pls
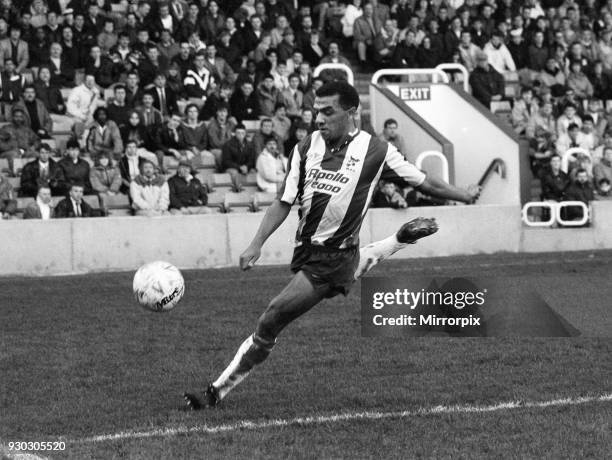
(419, 93)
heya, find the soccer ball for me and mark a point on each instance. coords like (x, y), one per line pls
(158, 286)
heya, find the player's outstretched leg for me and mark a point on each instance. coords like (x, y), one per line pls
(409, 233)
(297, 298)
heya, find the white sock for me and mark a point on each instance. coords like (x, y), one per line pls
(253, 351)
(373, 253)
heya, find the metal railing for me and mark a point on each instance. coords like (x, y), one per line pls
(436, 74)
(569, 152)
(555, 213)
(497, 165)
(332, 66)
(454, 66)
(435, 154)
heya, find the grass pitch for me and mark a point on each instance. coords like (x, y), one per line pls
(79, 359)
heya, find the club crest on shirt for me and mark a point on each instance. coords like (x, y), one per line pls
(329, 182)
(351, 163)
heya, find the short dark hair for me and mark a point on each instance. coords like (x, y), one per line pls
(118, 87)
(29, 86)
(265, 120)
(239, 126)
(572, 126)
(390, 121)
(348, 96)
(77, 184)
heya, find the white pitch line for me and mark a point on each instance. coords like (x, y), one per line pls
(341, 417)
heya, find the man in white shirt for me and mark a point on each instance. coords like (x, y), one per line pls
(271, 167)
(42, 208)
(498, 54)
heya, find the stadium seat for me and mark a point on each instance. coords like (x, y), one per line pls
(119, 201)
(217, 200)
(92, 200)
(170, 162)
(15, 182)
(242, 201)
(222, 179)
(251, 179)
(19, 163)
(252, 189)
(251, 125)
(262, 200)
(66, 93)
(207, 163)
(4, 165)
(23, 203)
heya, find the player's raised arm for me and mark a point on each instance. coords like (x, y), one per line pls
(397, 167)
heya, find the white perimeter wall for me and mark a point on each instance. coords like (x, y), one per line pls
(123, 243)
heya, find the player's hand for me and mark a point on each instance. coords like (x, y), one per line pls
(249, 257)
(474, 192)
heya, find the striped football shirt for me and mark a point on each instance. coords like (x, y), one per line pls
(334, 187)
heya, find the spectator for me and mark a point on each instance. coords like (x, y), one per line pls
(468, 51)
(607, 143)
(197, 79)
(271, 167)
(107, 39)
(552, 77)
(309, 96)
(265, 132)
(387, 196)
(574, 138)
(579, 190)
(230, 51)
(104, 136)
(487, 84)
(286, 47)
(196, 133)
(498, 55)
(602, 86)
(134, 92)
(173, 142)
(17, 140)
(351, 13)
(365, 29)
(292, 97)
(152, 66)
(105, 179)
(334, 57)
(578, 81)
(187, 194)
(244, 104)
(150, 117)
(74, 205)
(14, 48)
(145, 140)
(49, 94)
(554, 181)
(75, 170)
(393, 137)
(149, 192)
(42, 208)
(313, 51)
(8, 203)
(42, 171)
(268, 95)
(543, 122)
(36, 115)
(164, 99)
(568, 117)
(281, 122)
(12, 84)
(281, 75)
(167, 47)
(405, 54)
(117, 110)
(100, 66)
(603, 168)
(219, 132)
(595, 111)
(217, 66)
(524, 109)
(537, 53)
(604, 190)
(82, 101)
(129, 165)
(238, 157)
(62, 71)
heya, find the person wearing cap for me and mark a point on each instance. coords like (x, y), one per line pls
(149, 192)
(487, 84)
(74, 168)
(271, 167)
(518, 49)
(17, 140)
(42, 171)
(498, 55)
(187, 194)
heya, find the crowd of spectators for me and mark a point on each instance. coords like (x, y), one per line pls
(153, 79)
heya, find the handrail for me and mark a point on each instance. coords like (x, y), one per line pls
(337, 66)
(569, 152)
(539, 204)
(498, 165)
(439, 155)
(435, 74)
(460, 68)
(572, 223)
